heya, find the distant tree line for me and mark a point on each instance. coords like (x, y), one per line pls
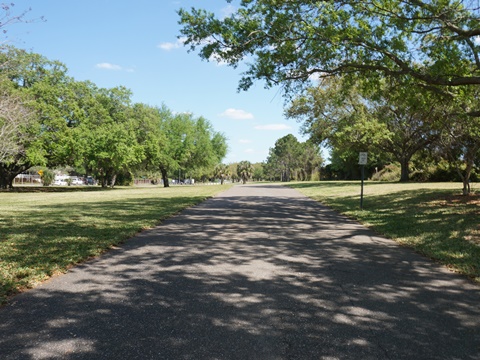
(47, 118)
(290, 160)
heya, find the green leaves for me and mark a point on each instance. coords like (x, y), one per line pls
(286, 41)
(291, 159)
(191, 144)
(57, 121)
(245, 170)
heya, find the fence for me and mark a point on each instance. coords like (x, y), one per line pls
(27, 179)
(142, 182)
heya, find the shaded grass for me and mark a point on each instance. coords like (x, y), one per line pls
(45, 233)
(433, 218)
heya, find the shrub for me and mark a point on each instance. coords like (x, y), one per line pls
(420, 175)
(47, 177)
(124, 178)
(388, 173)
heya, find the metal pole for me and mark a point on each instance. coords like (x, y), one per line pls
(361, 191)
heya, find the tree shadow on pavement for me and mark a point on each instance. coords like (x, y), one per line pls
(249, 277)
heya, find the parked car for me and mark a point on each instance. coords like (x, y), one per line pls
(60, 180)
(77, 181)
(90, 181)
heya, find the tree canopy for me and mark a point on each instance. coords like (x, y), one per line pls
(48, 118)
(289, 42)
(290, 159)
(392, 120)
(245, 170)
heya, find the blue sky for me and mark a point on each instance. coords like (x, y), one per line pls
(135, 44)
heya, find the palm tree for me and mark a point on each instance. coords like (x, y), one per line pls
(222, 171)
(245, 170)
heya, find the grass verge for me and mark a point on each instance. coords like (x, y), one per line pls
(45, 233)
(432, 218)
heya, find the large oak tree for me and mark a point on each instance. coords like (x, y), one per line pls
(287, 42)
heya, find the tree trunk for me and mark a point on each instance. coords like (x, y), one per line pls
(466, 187)
(465, 176)
(112, 180)
(165, 177)
(6, 180)
(9, 172)
(103, 181)
(405, 171)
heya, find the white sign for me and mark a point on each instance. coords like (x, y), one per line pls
(362, 158)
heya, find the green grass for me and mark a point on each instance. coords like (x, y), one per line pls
(44, 231)
(433, 218)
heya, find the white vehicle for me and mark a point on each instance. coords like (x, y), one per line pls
(77, 181)
(60, 180)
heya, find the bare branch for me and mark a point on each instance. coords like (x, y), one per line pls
(15, 120)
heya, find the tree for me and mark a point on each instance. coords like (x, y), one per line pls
(222, 171)
(19, 148)
(257, 172)
(150, 135)
(310, 161)
(389, 119)
(291, 159)
(411, 121)
(287, 151)
(78, 124)
(208, 147)
(460, 140)
(15, 120)
(58, 100)
(244, 170)
(47, 176)
(288, 42)
(191, 145)
(31, 78)
(111, 139)
(272, 168)
(463, 151)
(64, 107)
(232, 169)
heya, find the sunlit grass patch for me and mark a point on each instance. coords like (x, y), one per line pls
(432, 218)
(44, 233)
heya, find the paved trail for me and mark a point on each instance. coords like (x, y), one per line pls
(259, 272)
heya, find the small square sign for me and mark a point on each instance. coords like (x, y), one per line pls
(362, 158)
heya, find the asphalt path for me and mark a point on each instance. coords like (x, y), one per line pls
(258, 272)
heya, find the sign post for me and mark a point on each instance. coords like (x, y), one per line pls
(362, 160)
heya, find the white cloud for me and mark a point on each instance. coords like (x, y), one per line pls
(108, 66)
(167, 46)
(273, 127)
(182, 113)
(244, 141)
(113, 67)
(249, 151)
(237, 114)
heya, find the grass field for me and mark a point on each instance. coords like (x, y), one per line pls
(432, 218)
(44, 231)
